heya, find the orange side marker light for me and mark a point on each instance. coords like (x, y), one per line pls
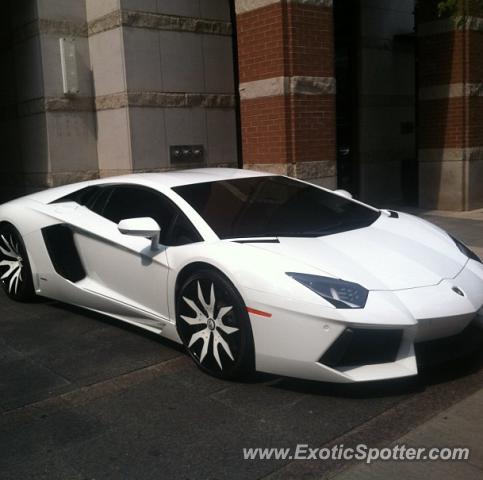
(259, 312)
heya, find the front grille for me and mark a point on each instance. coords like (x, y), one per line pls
(441, 350)
(363, 346)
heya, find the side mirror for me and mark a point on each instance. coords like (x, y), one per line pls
(343, 193)
(141, 227)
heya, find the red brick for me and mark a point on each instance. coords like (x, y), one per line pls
(287, 40)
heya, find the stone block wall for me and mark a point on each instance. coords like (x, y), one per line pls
(163, 76)
(151, 74)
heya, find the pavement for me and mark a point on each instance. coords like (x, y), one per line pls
(86, 397)
(467, 226)
(460, 425)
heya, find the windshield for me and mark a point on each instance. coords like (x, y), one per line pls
(273, 206)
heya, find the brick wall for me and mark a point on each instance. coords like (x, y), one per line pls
(285, 39)
(310, 40)
(286, 64)
(313, 121)
(265, 125)
(450, 106)
(441, 123)
(441, 59)
(261, 43)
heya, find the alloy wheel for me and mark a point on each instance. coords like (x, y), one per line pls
(13, 260)
(15, 272)
(214, 326)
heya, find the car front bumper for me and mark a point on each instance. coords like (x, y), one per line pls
(297, 338)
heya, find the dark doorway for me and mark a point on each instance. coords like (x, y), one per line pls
(236, 77)
(346, 31)
(410, 167)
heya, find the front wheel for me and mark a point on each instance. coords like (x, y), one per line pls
(15, 272)
(213, 324)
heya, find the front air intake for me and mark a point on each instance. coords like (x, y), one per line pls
(363, 346)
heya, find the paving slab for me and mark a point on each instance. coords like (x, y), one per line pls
(459, 426)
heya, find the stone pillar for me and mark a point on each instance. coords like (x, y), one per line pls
(47, 137)
(450, 107)
(163, 77)
(287, 87)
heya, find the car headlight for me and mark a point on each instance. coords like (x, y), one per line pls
(465, 250)
(339, 293)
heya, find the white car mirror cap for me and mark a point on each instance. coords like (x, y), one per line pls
(145, 227)
(343, 193)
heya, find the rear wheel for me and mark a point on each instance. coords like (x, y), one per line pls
(15, 272)
(213, 324)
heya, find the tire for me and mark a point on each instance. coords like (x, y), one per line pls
(217, 333)
(15, 271)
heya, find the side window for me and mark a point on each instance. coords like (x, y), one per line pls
(119, 202)
(133, 202)
(82, 197)
(182, 232)
(98, 203)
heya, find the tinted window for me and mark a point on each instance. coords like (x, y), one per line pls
(82, 197)
(273, 206)
(182, 232)
(122, 202)
(98, 203)
(133, 202)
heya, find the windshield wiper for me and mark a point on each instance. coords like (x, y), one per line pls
(257, 239)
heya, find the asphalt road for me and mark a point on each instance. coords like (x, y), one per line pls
(86, 397)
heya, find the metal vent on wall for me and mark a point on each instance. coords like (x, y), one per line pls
(68, 59)
(187, 154)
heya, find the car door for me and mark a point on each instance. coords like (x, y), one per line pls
(123, 269)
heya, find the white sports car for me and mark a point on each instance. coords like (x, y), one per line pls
(248, 270)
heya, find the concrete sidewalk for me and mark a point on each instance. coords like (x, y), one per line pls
(459, 426)
(466, 226)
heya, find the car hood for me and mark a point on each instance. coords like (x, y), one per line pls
(391, 254)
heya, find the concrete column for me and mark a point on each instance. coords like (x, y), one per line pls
(451, 107)
(163, 76)
(49, 137)
(150, 75)
(287, 87)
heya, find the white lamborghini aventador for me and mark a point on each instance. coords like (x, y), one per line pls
(248, 270)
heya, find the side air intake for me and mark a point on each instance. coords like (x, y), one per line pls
(59, 240)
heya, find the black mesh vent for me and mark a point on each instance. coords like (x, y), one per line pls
(359, 346)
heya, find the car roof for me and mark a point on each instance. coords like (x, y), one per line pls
(178, 178)
(160, 181)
